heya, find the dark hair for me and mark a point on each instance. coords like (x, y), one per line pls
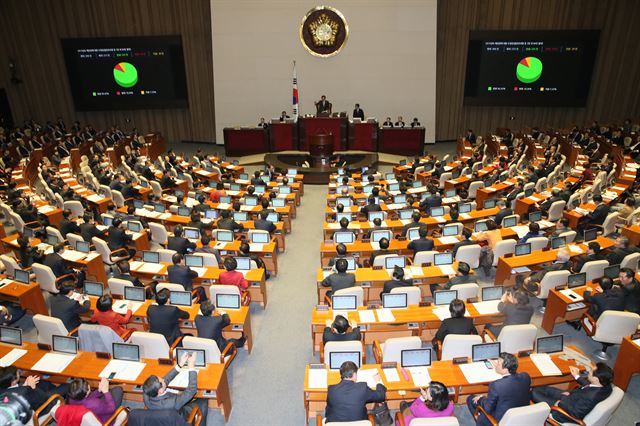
(464, 268)
(439, 396)
(457, 308)
(595, 246)
(416, 216)
(340, 208)
(342, 265)
(151, 387)
(597, 198)
(205, 240)
(78, 389)
(564, 221)
(67, 286)
(466, 233)
(628, 272)
(340, 323)
(177, 231)
(104, 303)
(245, 248)
(162, 296)
(225, 214)
(348, 369)
(606, 283)
(230, 263)
(264, 214)
(422, 231)
(66, 213)
(534, 227)
(344, 222)
(124, 267)
(384, 243)
(491, 225)
(341, 249)
(603, 373)
(521, 297)
(117, 221)
(398, 273)
(509, 362)
(58, 247)
(7, 376)
(377, 221)
(176, 258)
(207, 308)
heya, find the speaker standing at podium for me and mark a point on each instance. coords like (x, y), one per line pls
(358, 112)
(323, 106)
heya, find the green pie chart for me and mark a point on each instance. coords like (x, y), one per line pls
(125, 74)
(529, 69)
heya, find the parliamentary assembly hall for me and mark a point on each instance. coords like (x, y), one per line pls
(301, 213)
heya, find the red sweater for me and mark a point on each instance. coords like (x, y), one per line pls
(112, 320)
(234, 278)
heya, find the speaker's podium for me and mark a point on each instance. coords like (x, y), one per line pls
(334, 127)
(320, 150)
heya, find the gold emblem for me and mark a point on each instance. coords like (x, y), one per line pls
(324, 31)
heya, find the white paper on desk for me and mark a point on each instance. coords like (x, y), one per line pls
(442, 312)
(220, 246)
(154, 215)
(420, 376)
(45, 209)
(636, 341)
(521, 230)
(333, 225)
(256, 247)
(246, 208)
(619, 188)
(5, 281)
(72, 256)
(415, 190)
(134, 264)
(477, 372)
(574, 249)
(170, 199)
(232, 193)
(405, 221)
(181, 380)
(545, 224)
(95, 198)
(490, 189)
(151, 268)
(385, 315)
(575, 297)
(448, 240)
(520, 270)
(375, 245)
(223, 206)
(488, 307)
(11, 357)
(200, 271)
(343, 313)
(125, 370)
(391, 375)
(164, 216)
(465, 216)
(318, 378)
(53, 363)
(393, 206)
(447, 270)
(416, 271)
(439, 219)
(367, 376)
(534, 198)
(545, 365)
(120, 306)
(366, 316)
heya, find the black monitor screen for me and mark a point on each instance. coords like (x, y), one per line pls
(126, 72)
(126, 352)
(484, 351)
(10, 335)
(576, 280)
(549, 344)
(530, 68)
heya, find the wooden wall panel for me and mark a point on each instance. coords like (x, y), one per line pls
(615, 87)
(30, 33)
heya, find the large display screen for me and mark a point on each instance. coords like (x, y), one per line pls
(530, 68)
(126, 72)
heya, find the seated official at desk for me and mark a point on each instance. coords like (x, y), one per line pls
(341, 251)
(210, 326)
(400, 122)
(610, 298)
(178, 243)
(323, 106)
(262, 123)
(27, 254)
(397, 280)
(371, 206)
(423, 243)
(594, 388)
(620, 250)
(562, 262)
(347, 401)
(384, 249)
(534, 231)
(102, 402)
(595, 217)
(263, 224)
(179, 273)
(245, 251)
(215, 195)
(232, 277)
(33, 389)
(358, 112)
(415, 223)
(432, 402)
(457, 324)
(510, 391)
(118, 239)
(88, 229)
(66, 225)
(340, 279)
(338, 331)
(631, 288)
(434, 199)
(516, 309)
(156, 396)
(196, 222)
(593, 253)
(59, 267)
(104, 315)
(165, 319)
(415, 122)
(227, 222)
(387, 122)
(461, 277)
(466, 241)
(68, 305)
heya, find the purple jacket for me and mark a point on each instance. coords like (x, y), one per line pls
(100, 404)
(419, 410)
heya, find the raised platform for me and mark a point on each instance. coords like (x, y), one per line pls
(318, 174)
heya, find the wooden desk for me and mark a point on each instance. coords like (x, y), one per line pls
(506, 264)
(633, 233)
(556, 308)
(442, 371)
(493, 191)
(239, 141)
(212, 380)
(414, 320)
(626, 364)
(334, 126)
(401, 141)
(29, 296)
(363, 136)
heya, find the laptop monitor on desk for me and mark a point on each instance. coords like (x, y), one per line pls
(489, 204)
(415, 357)
(224, 235)
(278, 202)
(93, 288)
(558, 242)
(485, 351)
(450, 193)
(184, 211)
(535, 216)
(336, 359)
(83, 246)
(444, 297)
(260, 238)
(440, 259)
(450, 230)
(134, 294)
(159, 208)
(509, 222)
(347, 302)
(576, 280)
(394, 300)
(65, 344)
(243, 263)
(376, 236)
(405, 214)
(240, 216)
(150, 257)
(11, 335)
(464, 208)
(193, 261)
(590, 234)
(523, 249)
(344, 237)
(480, 226)
(376, 215)
(199, 353)
(126, 352)
(550, 344)
(251, 201)
(52, 240)
(437, 211)
(492, 293)
(180, 298)
(227, 301)
(392, 261)
(612, 271)
(21, 276)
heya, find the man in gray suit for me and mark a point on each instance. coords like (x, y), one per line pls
(156, 396)
(341, 279)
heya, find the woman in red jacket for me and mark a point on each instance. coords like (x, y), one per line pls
(104, 315)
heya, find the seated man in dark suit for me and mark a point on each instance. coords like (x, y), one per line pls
(227, 222)
(68, 226)
(466, 241)
(182, 274)
(579, 402)
(415, 223)
(165, 319)
(118, 239)
(337, 331)
(510, 391)
(178, 243)
(593, 253)
(504, 211)
(462, 277)
(611, 298)
(245, 251)
(263, 224)
(347, 401)
(69, 305)
(88, 229)
(370, 207)
(516, 310)
(596, 217)
(210, 326)
(397, 280)
(563, 258)
(156, 397)
(124, 274)
(340, 279)
(433, 199)
(619, 251)
(384, 249)
(555, 196)
(423, 243)
(631, 289)
(195, 222)
(33, 389)
(57, 263)
(341, 251)
(457, 324)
